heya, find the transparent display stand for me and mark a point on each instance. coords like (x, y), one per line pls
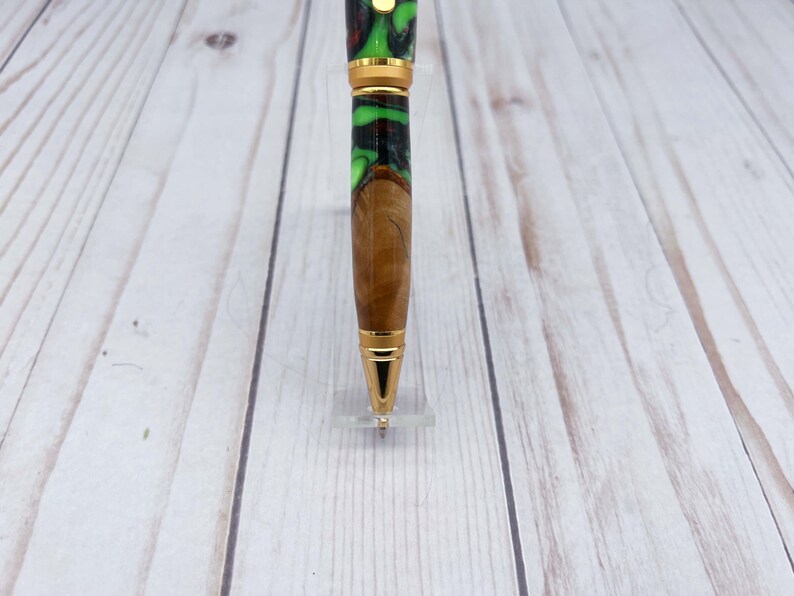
(351, 406)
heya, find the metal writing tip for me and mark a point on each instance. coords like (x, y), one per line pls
(383, 425)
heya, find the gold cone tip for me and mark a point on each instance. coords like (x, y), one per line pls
(382, 356)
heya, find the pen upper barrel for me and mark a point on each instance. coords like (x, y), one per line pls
(381, 29)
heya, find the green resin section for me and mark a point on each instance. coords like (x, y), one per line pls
(403, 14)
(377, 45)
(380, 138)
(366, 114)
(360, 160)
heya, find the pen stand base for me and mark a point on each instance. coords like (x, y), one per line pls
(351, 409)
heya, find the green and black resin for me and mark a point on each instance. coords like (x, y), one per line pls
(381, 137)
(371, 34)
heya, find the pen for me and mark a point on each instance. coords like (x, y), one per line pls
(381, 36)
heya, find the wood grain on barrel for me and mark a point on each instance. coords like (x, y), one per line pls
(381, 230)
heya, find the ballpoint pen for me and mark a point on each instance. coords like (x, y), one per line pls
(381, 36)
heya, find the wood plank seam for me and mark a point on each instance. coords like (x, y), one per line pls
(78, 392)
(697, 34)
(90, 227)
(4, 432)
(730, 393)
(429, 502)
(24, 36)
(520, 569)
(24, 542)
(6, 289)
(239, 483)
(736, 406)
(212, 225)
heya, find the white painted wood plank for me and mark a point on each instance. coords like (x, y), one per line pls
(119, 464)
(752, 41)
(330, 511)
(629, 474)
(68, 101)
(16, 17)
(722, 204)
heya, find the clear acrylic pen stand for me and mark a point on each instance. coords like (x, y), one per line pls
(351, 406)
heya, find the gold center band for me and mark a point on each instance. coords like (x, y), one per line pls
(380, 72)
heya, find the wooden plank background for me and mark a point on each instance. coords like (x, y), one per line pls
(602, 313)
(16, 19)
(719, 195)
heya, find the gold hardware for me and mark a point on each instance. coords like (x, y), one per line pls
(380, 62)
(380, 72)
(388, 90)
(384, 6)
(381, 339)
(382, 355)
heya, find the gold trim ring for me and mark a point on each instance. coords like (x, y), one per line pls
(371, 90)
(380, 72)
(378, 340)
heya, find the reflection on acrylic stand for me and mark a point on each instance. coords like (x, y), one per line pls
(351, 406)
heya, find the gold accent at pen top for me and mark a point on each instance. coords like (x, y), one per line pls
(380, 72)
(382, 355)
(384, 6)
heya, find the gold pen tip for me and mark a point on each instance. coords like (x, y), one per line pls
(382, 356)
(383, 425)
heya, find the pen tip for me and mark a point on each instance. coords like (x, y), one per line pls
(383, 424)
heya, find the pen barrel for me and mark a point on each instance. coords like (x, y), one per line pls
(381, 210)
(381, 35)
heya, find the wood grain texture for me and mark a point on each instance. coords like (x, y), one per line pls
(381, 236)
(123, 449)
(722, 204)
(16, 18)
(332, 511)
(752, 43)
(68, 102)
(629, 474)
